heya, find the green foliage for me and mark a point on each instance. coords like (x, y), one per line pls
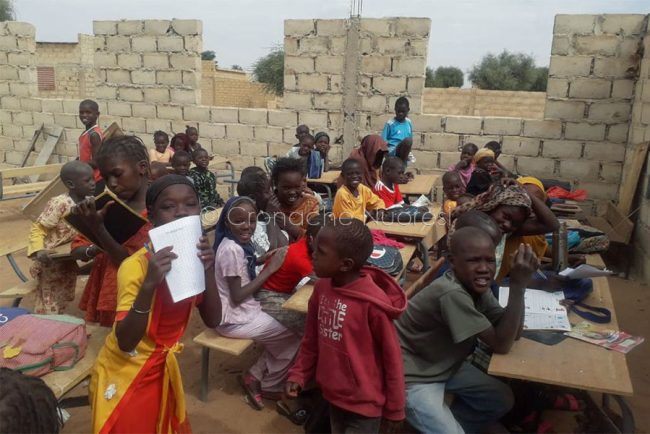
(7, 12)
(509, 71)
(208, 55)
(444, 76)
(270, 71)
(236, 68)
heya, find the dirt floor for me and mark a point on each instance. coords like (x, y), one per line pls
(225, 410)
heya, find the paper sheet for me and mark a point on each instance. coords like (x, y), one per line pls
(542, 310)
(584, 271)
(187, 276)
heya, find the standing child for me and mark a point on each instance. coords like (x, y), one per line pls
(56, 280)
(322, 145)
(91, 139)
(181, 161)
(398, 132)
(350, 345)
(124, 165)
(452, 186)
(387, 188)
(162, 152)
(465, 167)
(301, 130)
(204, 180)
(136, 385)
(193, 136)
(353, 199)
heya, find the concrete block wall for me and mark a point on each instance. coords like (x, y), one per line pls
(73, 64)
(228, 88)
(480, 102)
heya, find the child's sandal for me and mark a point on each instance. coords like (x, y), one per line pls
(252, 390)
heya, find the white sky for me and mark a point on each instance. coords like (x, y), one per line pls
(240, 31)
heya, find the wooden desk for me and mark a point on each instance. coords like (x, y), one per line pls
(571, 363)
(300, 299)
(326, 178)
(421, 184)
(428, 232)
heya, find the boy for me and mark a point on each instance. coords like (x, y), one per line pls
(439, 330)
(465, 167)
(350, 345)
(387, 188)
(398, 132)
(204, 181)
(91, 139)
(162, 152)
(181, 163)
(485, 172)
(495, 147)
(452, 186)
(56, 279)
(301, 131)
(353, 199)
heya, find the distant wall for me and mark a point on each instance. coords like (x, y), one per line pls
(228, 88)
(479, 102)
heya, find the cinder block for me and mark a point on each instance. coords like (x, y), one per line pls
(574, 24)
(156, 27)
(562, 109)
(412, 66)
(179, 125)
(627, 24)
(502, 126)
(105, 92)
(334, 123)
(134, 125)
(623, 89)
(170, 44)
(154, 125)
(226, 148)
(283, 118)
(441, 142)
(118, 108)
(156, 95)
(187, 27)
(65, 120)
(105, 60)
(144, 110)
(14, 157)
(254, 149)
(26, 43)
(268, 134)
(446, 159)
(298, 101)
(192, 79)
(312, 82)
(426, 159)
(253, 116)
(478, 140)
(376, 26)
(21, 59)
(338, 46)
(22, 118)
(609, 111)
(331, 27)
(182, 61)
(290, 46)
(425, 123)
(299, 27)
(184, 96)
(389, 85)
(521, 146)
(131, 94)
(236, 131)
(173, 78)
(43, 118)
(579, 169)
(418, 47)
(375, 64)
(8, 72)
(130, 27)
(584, 131)
(129, 60)
(21, 89)
(328, 101)
(105, 27)
(143, 76)
(315, 120)
(212, 131)
(8, 43)
(144, 43)
(49, 105)
(599, 190)
(171, 112)
(463, 124)
(118, 76)
(118, 43)
(601, 45)
(592, 88)
(10, 103)
(617, 133)
(611, 172)
(628, 46)
(611, 152)
(412, 27)
(614, 67)
(155, 60)
(546, 129)
(196, 113)
(293, 64)
(569, 66)
(373, 104)
(536, 166)
(330, 64)
(12, 130)
(562, 149)
(18, 28)
(224, 115)
(415, 85)
(561, 45)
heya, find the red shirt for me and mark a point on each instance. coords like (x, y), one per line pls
(297, 264)
(85, 147)
(390, 197)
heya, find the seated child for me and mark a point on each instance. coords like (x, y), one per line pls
(483, 175)
(398, 132)
(204, 180)
(157, 170)
(387, 188)
(294, 152)
(162, 152)
(181, 163)
(312, 158)
(350, 346)
(322, 145)
(440, 328)
(353, 199)
(495, 147)
(193, 136)
(465, 166)
(56, 280)
(452, 186)
(180, 142)
(242, 314)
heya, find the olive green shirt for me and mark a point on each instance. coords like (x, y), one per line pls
(438, 330)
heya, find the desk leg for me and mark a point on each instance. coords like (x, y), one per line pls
(424, 255)
(627, 417)
(16, 268)
(74, 402)
(205, 369)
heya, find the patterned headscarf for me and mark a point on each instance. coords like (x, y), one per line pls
(483, 153)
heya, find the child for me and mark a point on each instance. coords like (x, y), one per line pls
(91, 139)
(242, 316)
(204, 180)
(350, 345)
(452, 186)
(354, 199)
(370, 155)
(304, 147)
(440, 328)
(483, 175)
(124, 164)
(495, 147)
(56, 280)
(322, 145)
(162, 152)
(157, 170)
(136, 384)
(398, 132)
(180, 142)
(193, 136)
(301, 130)
(181, 163)
(387, 188)
(465, 167)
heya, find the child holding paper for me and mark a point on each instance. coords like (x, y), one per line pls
(136, 384)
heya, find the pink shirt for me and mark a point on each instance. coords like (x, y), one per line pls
(231, 262)
(465, 174)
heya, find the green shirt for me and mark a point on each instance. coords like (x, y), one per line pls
(206, 186)
(438, 330)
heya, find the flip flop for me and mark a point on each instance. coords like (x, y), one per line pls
(298, 417)
(253, 398)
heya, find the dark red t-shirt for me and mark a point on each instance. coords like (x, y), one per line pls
(297, 264)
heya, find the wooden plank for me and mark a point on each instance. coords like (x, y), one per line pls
(113, 130)
(32, 145)
(326, 178)
(20, 189)
(53, 139)
(20, 290)
(18, 172)
(421, 184)
(632, 174)
(430, 232)
(213, 340)
(620, 223)
(35, 206)
(13, 245)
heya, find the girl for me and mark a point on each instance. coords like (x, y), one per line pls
(242, 315)
(465, 167)
(136, 384)
(124, 165)
(322, 145)
(180, 142)
(193, 136)
(370, 156)
(161, 152)
(485, 173)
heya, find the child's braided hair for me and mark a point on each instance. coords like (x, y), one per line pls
(130, 148)
(27, 405)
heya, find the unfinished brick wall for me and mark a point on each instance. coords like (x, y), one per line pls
(227, 88)
(480, 102)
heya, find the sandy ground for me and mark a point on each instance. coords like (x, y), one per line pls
(225, 410)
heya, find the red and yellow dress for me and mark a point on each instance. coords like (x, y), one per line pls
(85, 148)
(142, 391)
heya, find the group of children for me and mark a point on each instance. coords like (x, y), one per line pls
(373, 355)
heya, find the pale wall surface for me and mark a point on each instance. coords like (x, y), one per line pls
(479, 102)
(226, 88)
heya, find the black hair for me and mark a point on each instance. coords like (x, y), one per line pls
(161, 133)
(308, 136)
(449, 175)
(316, 222)
(467, 232)
(89, 102)
(493, 145)
(198, 151)
(470, 145)
(27, 405)
(180, 154)
(285, 165)
(302, 126)
(347, 164)
(188, 128)
(160, 184)
(251, 183)
(130, 148)
(252, 170)
(321, 134)
(71, 170)
(402, 100)
(353, 240)
(393, 163)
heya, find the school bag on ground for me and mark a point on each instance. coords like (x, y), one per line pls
(386, 258)
(38, 344)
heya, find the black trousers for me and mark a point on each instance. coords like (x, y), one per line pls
(346, 422)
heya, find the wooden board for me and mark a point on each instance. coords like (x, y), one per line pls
(430, 232)
(53, 139)
(13, 244)
(32, 145)
(633, 172)
(213, 340)
(18, 172)
(20, 290)
(614, 224)
(35, 206)
(20, 189)
(571, 363)
(421, 184)
(113, 130)
(326, 178)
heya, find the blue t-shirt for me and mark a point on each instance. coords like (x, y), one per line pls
(394, 132)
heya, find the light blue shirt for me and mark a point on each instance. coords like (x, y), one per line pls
(394, 132)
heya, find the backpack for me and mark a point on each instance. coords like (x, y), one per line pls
(38, 344)
(387, 259)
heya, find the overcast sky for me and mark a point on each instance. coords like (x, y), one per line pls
(240, 31)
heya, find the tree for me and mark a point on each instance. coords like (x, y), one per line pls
(444, 76)
(270, 71)
(208, 55)
(236, 68)
(509, 71)
(7, 10)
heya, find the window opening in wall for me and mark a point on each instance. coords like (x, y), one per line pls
(45, 77)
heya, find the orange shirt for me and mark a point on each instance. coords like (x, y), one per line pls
(85, 147)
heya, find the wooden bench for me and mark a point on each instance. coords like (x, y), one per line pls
(8, 248)
(19, 190)
(211, 340)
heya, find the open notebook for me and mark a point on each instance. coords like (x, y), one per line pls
(543, 310)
